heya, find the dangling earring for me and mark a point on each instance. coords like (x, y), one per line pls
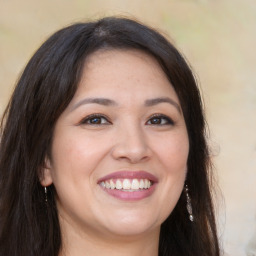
(45, 194)
(189, 206)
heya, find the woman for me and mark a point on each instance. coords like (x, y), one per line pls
(103, 149)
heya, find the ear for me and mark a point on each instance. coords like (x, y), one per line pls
(46, 173)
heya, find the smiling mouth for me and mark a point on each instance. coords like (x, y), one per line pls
(128, 185)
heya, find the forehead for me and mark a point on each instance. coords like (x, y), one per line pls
(111, 72)
(124, 55)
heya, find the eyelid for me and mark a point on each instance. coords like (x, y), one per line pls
(161, 116)
(91, 116)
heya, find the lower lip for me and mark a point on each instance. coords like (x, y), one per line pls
(130, 196)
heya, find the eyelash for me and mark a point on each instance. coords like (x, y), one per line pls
(161, 117)
(99, 117)
(88, 120)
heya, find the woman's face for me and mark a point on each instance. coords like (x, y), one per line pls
(119, 152)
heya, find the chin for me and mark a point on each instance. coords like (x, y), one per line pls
(134, 225)
(131, 231)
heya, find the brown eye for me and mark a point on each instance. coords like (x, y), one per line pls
(160, 120)
(156, 120)
(95, 120)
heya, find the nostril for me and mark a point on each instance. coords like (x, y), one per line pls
(131, 151)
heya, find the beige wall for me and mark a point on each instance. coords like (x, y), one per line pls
(217, 36)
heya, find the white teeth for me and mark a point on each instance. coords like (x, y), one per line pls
(107, 184)
(127, 184)
(141, 184)
(119, 184)
(135, 184)
(147, 184)
(112, 184)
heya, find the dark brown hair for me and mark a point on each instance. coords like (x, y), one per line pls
(28, 226)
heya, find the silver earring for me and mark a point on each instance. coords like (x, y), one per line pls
(189, 206)
(45, 194)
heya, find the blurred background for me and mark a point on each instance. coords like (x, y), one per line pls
(218, 37)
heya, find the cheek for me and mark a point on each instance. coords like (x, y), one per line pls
(75, 158)
(75, 155)
(173, 153)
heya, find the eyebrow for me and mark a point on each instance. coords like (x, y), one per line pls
(100, 101)
(109, 102)
(155, 101)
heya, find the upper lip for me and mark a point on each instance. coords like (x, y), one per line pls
(130, 175)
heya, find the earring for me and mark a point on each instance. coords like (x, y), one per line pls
(189, 206)
(45, 194)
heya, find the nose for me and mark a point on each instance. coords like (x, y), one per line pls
(131, 145)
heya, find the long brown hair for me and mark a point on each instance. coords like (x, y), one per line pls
(29, 226)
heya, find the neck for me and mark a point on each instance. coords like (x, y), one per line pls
(79, 243)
